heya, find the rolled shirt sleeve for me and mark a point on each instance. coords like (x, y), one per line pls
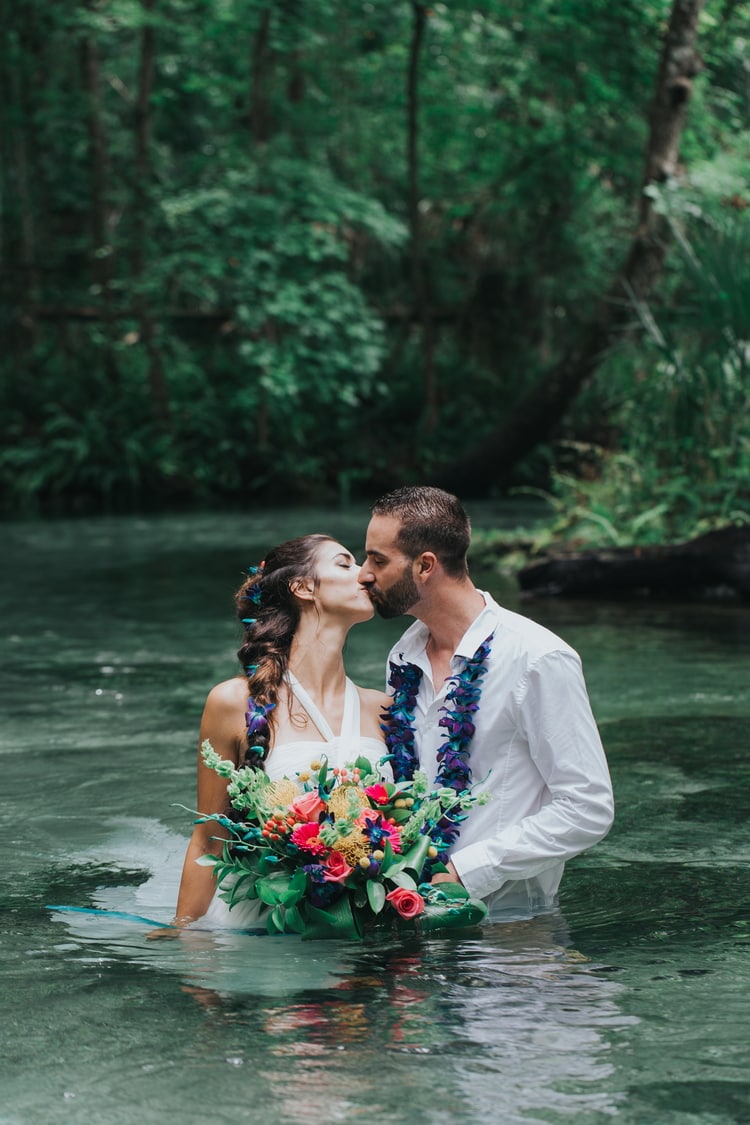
(551, 784)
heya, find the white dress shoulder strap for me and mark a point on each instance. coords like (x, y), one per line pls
(350, 729)
(350, 723)
(317, 716)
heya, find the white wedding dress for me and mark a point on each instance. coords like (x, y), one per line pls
(288, 760)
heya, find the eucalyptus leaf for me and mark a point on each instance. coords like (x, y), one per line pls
(405, 880)
(375, 896)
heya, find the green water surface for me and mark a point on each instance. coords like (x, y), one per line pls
(630, 1004)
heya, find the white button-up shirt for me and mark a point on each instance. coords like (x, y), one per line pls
(536, 749)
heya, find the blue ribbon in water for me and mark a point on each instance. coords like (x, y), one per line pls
(113, 914)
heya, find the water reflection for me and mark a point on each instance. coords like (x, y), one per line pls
(512, 1021)
(641, 1014)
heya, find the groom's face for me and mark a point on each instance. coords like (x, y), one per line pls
(387, 573)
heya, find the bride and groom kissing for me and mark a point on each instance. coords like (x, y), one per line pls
(531, 742)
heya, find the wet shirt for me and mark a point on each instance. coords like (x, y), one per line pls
(536, 749)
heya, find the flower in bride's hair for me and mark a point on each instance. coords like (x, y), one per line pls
(254, 594)
(307, 838)
(256, 716)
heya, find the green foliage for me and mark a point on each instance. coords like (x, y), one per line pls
(684, 403)
(635, 502)
(208, 290)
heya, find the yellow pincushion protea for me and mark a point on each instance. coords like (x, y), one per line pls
(353, 847)
(338, 801)
(281, 793)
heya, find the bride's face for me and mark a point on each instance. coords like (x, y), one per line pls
(338, 590)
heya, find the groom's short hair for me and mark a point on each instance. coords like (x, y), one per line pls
(431, 520)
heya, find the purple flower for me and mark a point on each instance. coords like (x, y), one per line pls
(255, 716)
(462, 702)
(457, 728)
(316, 871)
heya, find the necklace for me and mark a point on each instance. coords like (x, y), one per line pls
(456, 719)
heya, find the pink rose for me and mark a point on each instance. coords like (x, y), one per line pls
(336, 868)
(308, 805)
(378, 793)
(407, 903)
(306, 837)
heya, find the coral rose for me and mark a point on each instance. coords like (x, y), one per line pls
(336, 868)
(308, 805)
(407, 903)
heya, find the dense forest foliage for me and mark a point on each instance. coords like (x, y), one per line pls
(258, 250)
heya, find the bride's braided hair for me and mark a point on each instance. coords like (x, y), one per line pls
(270, 614)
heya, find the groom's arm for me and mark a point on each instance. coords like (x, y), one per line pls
(556, 722)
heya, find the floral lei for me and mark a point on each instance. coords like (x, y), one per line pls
(461, 704)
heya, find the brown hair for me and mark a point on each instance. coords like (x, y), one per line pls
(270, 614)
(431, 520)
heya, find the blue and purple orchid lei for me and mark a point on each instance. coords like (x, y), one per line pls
(457, 720)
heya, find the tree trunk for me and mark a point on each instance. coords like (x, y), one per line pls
(532, 419)
(20, 279)
(258, 113)
(101, 250)
(419, 281)
(715, 565)
(143, 180)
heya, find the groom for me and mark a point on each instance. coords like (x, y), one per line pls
(535, 747)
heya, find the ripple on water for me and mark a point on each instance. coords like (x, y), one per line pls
(629, 1004)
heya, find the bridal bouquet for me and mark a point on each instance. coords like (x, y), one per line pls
(334, 852)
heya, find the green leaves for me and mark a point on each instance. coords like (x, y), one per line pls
(337, 921)
(281, 889)
(375, 896)
(276, 258)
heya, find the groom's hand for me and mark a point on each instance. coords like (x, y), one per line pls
(449, 876)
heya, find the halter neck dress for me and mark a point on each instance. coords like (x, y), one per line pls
(287, 760)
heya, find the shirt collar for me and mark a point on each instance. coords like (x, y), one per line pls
(414, 641)
(480, 629)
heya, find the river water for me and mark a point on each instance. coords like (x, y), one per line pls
(630, 1003)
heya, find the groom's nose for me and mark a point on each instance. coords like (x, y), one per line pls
(365, 576)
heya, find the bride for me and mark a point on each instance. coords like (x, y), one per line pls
(293, 703)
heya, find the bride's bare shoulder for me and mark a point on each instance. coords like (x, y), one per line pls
(228, 695)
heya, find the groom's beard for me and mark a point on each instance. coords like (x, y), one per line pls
(399, 599)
